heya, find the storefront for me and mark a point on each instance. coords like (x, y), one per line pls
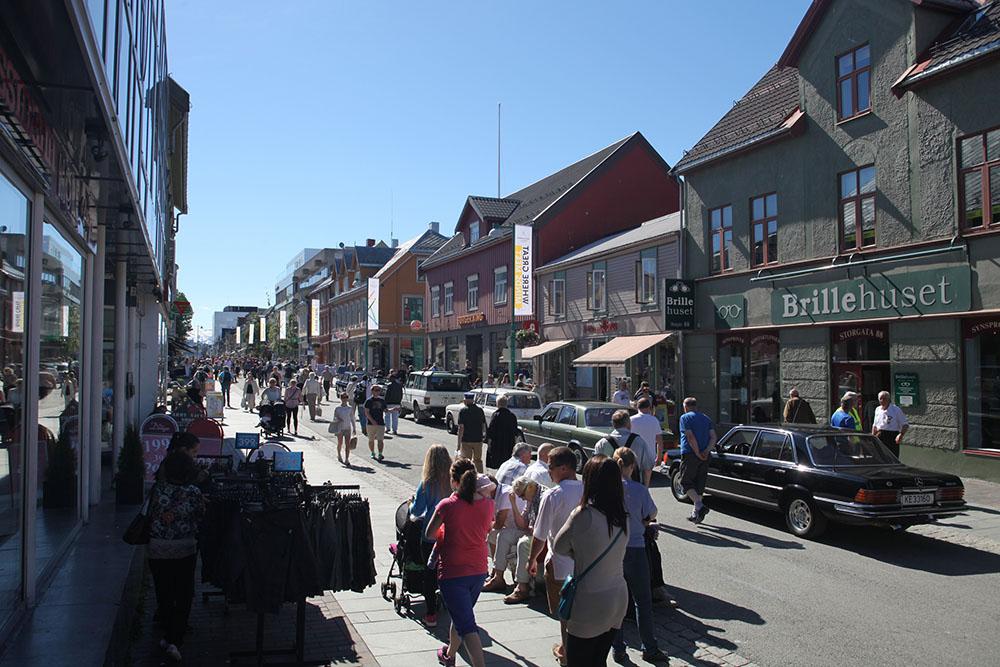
(651, 358)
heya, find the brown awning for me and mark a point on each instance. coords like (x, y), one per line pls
(619, 350)
(544, 348)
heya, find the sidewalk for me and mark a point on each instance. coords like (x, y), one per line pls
(979, 527)
(512, 634)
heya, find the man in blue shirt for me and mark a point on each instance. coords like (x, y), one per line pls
(843, 418)
(697, 441)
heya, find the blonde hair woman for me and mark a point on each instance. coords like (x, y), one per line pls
(435, 486)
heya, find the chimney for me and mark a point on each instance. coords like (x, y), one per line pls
(370, 243)
(393, 243)
(435, 227)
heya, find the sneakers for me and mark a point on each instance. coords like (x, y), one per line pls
(698, 516)
(443, 659)
(380, 457)
(430, 620)
(373, 457)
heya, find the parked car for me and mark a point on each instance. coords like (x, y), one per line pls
(428, 393)
(816, 474)
(578, 425)
(524, 404)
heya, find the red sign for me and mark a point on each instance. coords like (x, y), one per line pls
(155, 434)
(184, 307)
(604, 326)
(19, 108)
(210, 436)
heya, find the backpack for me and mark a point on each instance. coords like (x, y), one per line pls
(636, 475)
(360, 394)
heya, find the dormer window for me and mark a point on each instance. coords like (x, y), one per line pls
(473, 232)
(854, 83)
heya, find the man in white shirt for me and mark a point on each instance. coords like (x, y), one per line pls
(557, 504)
(539, 470)
(890, 424)
(648, 427)
(622, 397)
(515, 466)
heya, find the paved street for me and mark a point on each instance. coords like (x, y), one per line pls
(747, 586)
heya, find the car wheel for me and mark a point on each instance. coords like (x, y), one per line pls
(418, 416)
(581, 458)
(675, 485)
(451, 425)
(803, 517)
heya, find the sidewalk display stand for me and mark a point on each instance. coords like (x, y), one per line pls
(210, 436)
(186, 413)
(155, 434)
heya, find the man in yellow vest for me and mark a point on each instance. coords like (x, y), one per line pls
(855, 398)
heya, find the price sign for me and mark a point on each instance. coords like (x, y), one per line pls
(247, 440)
(155, 434)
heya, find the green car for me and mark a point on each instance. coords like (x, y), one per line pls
(577, 424)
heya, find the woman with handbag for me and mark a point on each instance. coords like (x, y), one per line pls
(343, 426)
(250, 393)
(175, 509)
(594, 600)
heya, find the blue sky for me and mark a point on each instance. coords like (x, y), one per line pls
(319, 121)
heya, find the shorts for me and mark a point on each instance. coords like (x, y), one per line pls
(694, 473)
(459, 595)
(552, 589)
(375, 432)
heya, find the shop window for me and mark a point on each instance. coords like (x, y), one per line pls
(500, 285)
(982, 384)
(764, 228)
(449, 298)
(472, 292)
(857, 209)
(732, 380)
(721, 220)
(451, 347)
(597, 288)
(854, 82)
(557, 295)
(979, 180)
(749, 378)
(435, 301)
(765, 388)
(860, 343)
(645, 277)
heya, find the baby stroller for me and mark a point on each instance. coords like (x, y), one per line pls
(407, 562)
(272, 418)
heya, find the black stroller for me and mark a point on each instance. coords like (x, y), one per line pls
(407, 562)
(272, 418)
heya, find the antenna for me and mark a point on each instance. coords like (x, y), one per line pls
(392, 211)
(498, 150)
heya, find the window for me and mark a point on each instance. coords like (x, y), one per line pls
(597, 288)
(722, 238)
(500, 285)
(857, 209)
(491, 400)
(645, 277)
(472, 292)
(557, 295)
(473, 232)
(979, 180)
(413, 308)
(853, 83)
(764, 224)
(550, 414)
(449, 298)
(567, 415)
(740, 442)
(435, 301)
(773, 446)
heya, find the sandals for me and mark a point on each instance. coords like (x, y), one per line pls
(443, 659)
(517, 597)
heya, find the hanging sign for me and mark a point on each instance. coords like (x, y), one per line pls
(678, 305)
(263, 329)
(238, 341)
(155, 434)
(282, 324)
(373, 288)
(523, 287)
(730, 311)
(314, 318)
(250, 330)
(65, 321)
(17, 302)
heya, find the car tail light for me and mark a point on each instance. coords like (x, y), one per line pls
(427, 400)
(951, 493)
(875, 496)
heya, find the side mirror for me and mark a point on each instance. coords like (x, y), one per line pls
(538, 418)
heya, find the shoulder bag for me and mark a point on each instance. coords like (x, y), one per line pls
(137, 532)
(568, 590)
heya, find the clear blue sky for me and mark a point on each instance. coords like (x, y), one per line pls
(316, 121)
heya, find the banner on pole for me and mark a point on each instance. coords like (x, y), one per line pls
(314, 318)
(17, 325)
(282, 325)
(263, 329)
(65, 321)
(523, 287)
(250, 329)
(238, 331)
(373, 304)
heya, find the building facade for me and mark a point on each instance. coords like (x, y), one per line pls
(92, 182)
(841, 225)
(301, 276)
(469, 278)
(227, 318)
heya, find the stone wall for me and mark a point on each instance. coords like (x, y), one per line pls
(805, 364)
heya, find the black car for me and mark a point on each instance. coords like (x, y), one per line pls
(813, 474)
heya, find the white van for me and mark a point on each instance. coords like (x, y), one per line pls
(428, 393)
(524, 404)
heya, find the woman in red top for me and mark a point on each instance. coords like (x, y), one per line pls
(460, 525)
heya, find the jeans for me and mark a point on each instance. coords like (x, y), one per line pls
(293, 415)
(225, 393)
(173, 579)
(311, 403)
(589, 651)
(392, 418)
(362, 418)
(637, 577)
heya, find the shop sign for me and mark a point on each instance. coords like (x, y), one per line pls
(974, 328)
(604, 326)
(17, 305)
(474, 318)
(210, 436)
(865, 331)
(906, 388)
(877, 295)
(214, 404)
(678, 305)
(155, 434)
(282, 324)
(730, 311)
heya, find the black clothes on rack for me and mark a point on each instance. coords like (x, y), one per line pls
(280, 561)
(340, 526)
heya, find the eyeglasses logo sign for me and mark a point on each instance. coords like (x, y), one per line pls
(730, 311)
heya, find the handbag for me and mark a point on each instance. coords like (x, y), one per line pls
(353, 442)
(319, 411)
(137, 532)
(568, 591)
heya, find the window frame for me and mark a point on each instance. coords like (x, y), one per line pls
(448, 295)
(435, 301)
(989, 222)
(473, 237)
(597, 268)
(558, 277)
(500, 295)
(766, 259)
(640, 274)
(858, 200)
(470, 304)
(402, 305)
(725, 258)
(853, 76)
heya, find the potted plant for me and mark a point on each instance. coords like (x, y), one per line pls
(131, 470)
(59, 486)
(526, 337)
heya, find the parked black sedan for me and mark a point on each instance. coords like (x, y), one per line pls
(813, 474)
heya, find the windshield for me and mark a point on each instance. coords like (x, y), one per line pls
(599, 417)
(449, 383)
(523, 402)
(849, 450)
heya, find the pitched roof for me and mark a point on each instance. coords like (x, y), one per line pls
(424, 244)
(647, 231)
(376, 255)
(767, 110)
(975, 35)
(491, 208)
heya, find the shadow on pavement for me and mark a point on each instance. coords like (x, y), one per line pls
(700, 537)
(763, 540)
(700, 606)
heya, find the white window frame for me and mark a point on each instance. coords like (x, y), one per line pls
(472, 288)
(473, 232)
(500, 294)
(594, 289)
(435, 301)
(641, 296)
(557, 286)
(449, 298)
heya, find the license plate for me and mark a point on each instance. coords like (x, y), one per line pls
(917, 499)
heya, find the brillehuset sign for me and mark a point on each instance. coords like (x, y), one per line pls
(875, 296)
